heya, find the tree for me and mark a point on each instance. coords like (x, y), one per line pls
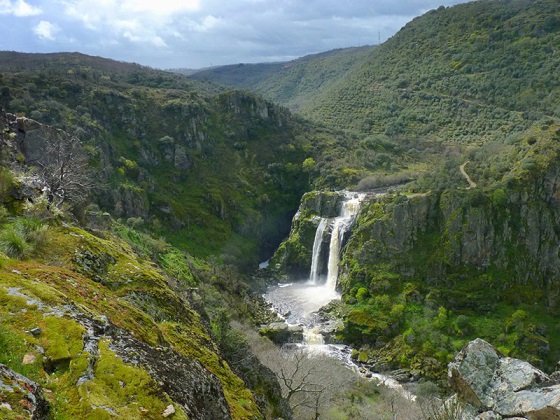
(297, 380)
(64, 169)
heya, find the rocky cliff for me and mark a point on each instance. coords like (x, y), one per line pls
(428, 270)
(102, 322)
(216, 173)
(423, 272)
(293, 257)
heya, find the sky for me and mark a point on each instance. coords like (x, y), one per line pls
(202, 33)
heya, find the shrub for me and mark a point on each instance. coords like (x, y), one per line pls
(6, 183)
(3, 215)
(14, 243)
(499, 197)
(362, 294)
(23, 237)
(41, 209)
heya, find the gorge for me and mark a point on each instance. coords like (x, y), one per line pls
(406, 196)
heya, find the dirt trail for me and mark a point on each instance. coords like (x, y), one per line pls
(467, 177)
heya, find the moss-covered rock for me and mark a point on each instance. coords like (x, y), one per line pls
(111, 337)
(416, 267)
(20, 397)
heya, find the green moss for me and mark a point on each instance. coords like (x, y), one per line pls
(363, 357)
(195, 342)
(61, 338)
(175, 264)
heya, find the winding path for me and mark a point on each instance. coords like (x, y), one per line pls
(467, 177)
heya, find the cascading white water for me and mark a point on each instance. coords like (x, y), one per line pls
(301, 301)
(350, 208)
(334, 256)
(314, 275)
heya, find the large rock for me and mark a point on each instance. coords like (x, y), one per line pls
(282, 333)
(502, 386)
(471, 373)
(20, 397)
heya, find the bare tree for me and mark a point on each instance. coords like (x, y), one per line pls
(63, 167)
(320, 387)
(297, 380)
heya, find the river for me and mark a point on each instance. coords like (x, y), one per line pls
(299, 301)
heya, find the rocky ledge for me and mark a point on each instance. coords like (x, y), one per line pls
(20, 397)
(492, 386)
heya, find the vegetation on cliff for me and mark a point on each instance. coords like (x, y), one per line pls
(109, 320)
(216, 174)
(203, 181)
(450, 81)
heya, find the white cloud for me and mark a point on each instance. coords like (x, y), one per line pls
(138, 21)
(46, 30)
(18, 8)
(166, 7)
(197, 33)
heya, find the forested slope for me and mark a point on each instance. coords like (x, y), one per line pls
(447, 83)
(467, 73)
(470, 91)
(291, 83)
(217, 173)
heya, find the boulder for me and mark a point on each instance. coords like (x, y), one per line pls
(540, 403)
(282, 333)
(20, 397)
(471, 372)
(499, 386)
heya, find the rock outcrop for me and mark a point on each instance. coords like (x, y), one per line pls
(20, 397)
(497, 387)
(461, 235)
(282, 333)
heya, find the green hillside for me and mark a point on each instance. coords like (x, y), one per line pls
(291, 83)
(465, 74)
(469, 96)
(217, 173)
(120, 283)
(450, 81)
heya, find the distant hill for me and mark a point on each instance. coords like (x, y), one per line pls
(93, 68)
(289, 83)
(466, 73)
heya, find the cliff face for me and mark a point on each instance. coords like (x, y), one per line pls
(215, 173)
(94, 325)
(438, 268)
(446, 239)
(422, 273)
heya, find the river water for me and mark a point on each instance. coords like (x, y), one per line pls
(299, 301)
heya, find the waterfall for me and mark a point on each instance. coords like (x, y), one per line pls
(334, 256)
(341, 224)
(314, 275)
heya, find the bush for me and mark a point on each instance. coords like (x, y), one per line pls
(499, 197)
(41, 209)
(362, 294)
(23, 237)
(14, 243)
(6, 183)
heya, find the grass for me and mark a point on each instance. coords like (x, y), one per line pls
(139, 300)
